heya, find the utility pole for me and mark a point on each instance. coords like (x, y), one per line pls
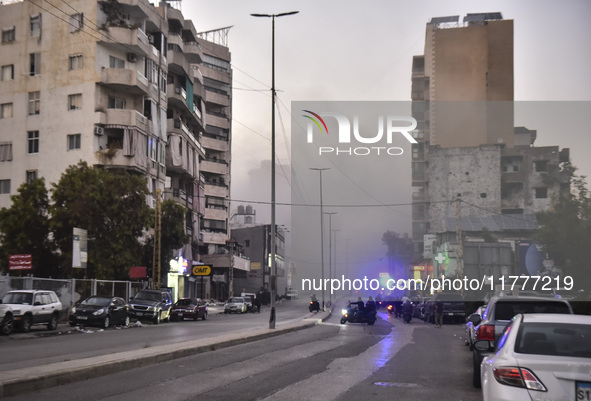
(460, 250)
(330, 253)
(320, 170)
(157, 240)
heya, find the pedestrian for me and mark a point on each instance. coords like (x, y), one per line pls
(438, 314)
(428, 311)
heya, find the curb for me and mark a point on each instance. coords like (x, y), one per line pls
(29, 379)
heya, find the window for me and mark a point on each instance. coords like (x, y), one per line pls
(34, 64)
(74, 141)
(541, 193)
(115, 62)
(75, 62)
(4, 186)
(33, 142)
(116, 103)
(35, 26)
(34, 103)
(541, 165)
(5, 110)
(31, 176)
(8, 35)
(76, 22)
(75, 101)
(5, 152)
(7, 72)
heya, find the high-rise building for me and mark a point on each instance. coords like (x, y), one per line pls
(468, 147)
(121, 84)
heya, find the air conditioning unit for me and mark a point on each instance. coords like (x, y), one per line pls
(151, 39)
(99, 130)
(131, 57)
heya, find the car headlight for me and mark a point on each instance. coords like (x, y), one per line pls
(98, 312)
(344, 311)
(74, 309)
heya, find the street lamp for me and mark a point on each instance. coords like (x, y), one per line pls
(273, 280)
(320, 170)
(330, 254)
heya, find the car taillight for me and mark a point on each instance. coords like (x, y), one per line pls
(486, 332)
(518, 377)
(389, 307)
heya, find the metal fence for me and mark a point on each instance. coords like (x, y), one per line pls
(72, 290)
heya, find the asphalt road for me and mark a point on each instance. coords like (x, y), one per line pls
(388, 361)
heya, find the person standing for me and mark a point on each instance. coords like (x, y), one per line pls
(438, 314)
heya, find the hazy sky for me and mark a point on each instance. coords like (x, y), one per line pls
(344, 50)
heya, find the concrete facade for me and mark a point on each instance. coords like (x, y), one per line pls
(118, 84)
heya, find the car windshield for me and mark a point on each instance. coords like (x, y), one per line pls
(557, 339)
(186, 302)
(235, 300)
(506, 310)
(96, 301)
(22, 298)
(148, 296)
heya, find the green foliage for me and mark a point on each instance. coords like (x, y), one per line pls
(24, 228)
(111, 206)
(566, 231)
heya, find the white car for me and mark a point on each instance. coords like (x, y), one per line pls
(540, 357)
(32, 307)
(6, 319)
(235, 304)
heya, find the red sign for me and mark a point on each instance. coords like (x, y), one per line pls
(20, 262)
(137, 272)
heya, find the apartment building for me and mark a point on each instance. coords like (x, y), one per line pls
(118, 84)
(468, 147)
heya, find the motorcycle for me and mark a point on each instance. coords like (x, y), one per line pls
(407, 316)
(314, 306)
(354, 315)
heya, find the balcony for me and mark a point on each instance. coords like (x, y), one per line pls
(178, 195)
(214, 238)
(177, 63)
(125, 117)
(214, 144)
(193, 52)
(128, 39)
(114, 158)
(215, 214)
(125, 80)
(217, 98)
(218, 190)
(217, 121)
(215, 167)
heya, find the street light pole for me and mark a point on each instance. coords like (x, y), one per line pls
(320, 170)
(330, 254)
(273, 278)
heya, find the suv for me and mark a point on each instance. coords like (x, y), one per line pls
(6, 320)
(154, 305)
(30, 307)
(497, 315)
(453, 305)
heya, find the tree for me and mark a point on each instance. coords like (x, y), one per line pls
(24, 228)
(172, 237)
(111, 206)
(565, 232)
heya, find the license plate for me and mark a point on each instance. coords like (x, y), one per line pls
(450, 314)
(139, 313)
(583, 391)
(180, 315)
(82, 317)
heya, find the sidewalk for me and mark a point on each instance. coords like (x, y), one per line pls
(29, 379)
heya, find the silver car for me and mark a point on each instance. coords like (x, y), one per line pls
(235, 305)
(6, 319)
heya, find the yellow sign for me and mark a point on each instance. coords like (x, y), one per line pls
(419, 268)
(201, 270)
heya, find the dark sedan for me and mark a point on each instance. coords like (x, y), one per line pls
(100, 311)
(188, 308)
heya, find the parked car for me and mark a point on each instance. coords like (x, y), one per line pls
(498, 313)
(470, 326)
(235, 304)
(100, 311)
(154, 305)
(540, 356)
(453, 306)
(252, 304)
(6, 319)
(32, 307)
(188, 308)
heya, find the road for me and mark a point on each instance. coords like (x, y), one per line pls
(390, 360)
